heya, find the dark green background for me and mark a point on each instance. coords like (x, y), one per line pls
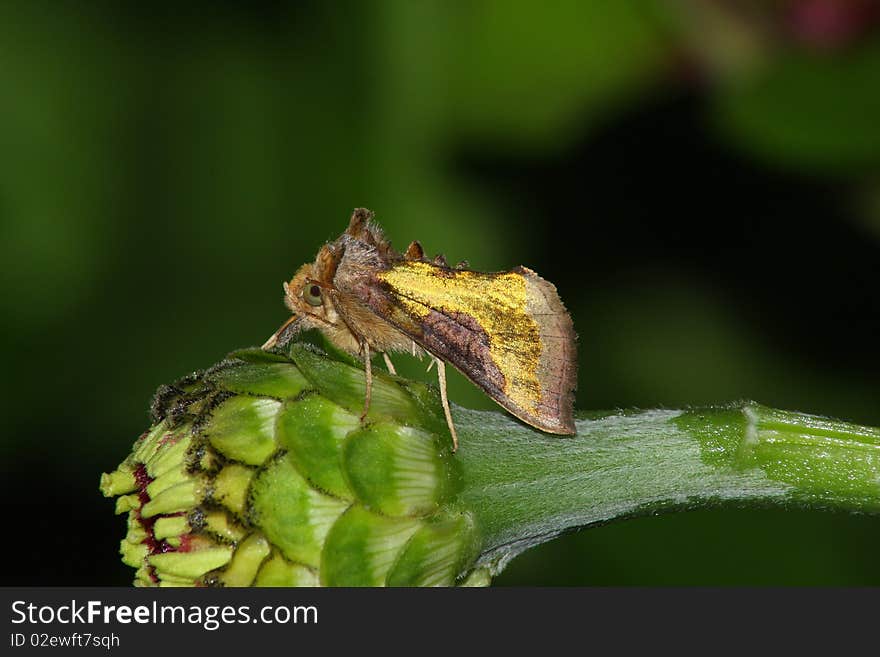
(702, 184)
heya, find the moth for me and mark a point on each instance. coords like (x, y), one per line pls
(508, 332)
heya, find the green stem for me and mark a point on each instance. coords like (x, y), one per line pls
(525, 487)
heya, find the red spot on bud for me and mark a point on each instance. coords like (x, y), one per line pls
(154, 545)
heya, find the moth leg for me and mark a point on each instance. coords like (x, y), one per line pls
(368, 371)
(388, 363)
(441, 376)
(431, 364)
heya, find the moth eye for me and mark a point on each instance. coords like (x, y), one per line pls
(312, 295)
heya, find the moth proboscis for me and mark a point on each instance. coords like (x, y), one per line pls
(508, 332)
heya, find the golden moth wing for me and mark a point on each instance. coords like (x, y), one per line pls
(508, 332)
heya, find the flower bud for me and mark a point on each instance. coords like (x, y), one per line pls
(260, 472)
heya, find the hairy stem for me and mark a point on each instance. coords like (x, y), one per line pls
(525, 487)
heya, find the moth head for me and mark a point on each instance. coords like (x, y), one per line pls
(306, 295)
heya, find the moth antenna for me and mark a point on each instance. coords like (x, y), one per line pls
(464, 264)
(414, 251)
(440, 259)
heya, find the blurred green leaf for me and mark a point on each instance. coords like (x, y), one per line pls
(532, 78)
(807, 110)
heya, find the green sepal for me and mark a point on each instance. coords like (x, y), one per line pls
(230, 487)
(362, 547)
(278, 571)
(437, 553)
(243, 429)
(292, 514)
(397, 471)
(317, 342)
(257, 355)
(280, 380)
(190, 565)
(313, 430)
(346, 385)
(220, 524)
(242, 570)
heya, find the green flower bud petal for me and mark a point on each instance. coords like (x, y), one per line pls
(313, 429)
(279, 380)
(189, 565)
(220, 524)
(243, 429)
(231, 487)
(168, 480)
(436, 553)
(257, 355)
(136, 534)
(245, 563)
(147, 446)
(206, 459)
(142, 576)
(398, 471)
(133, 554)
(292, 514)
(178, 498)
(362, 547)
(167, 527)
(278, 571)
(118, 482)
(126, 503)
(176, 582)
(170, 457)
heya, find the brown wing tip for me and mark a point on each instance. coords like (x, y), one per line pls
(568, 428)
(558, 364)
(562, 426)
(556, 420)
